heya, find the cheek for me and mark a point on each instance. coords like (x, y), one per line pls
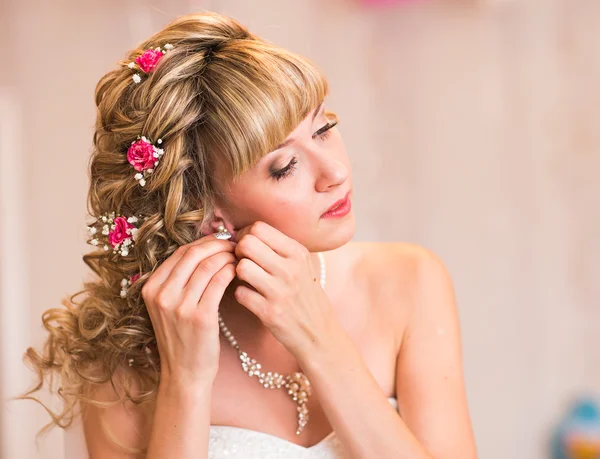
(290, 211)
(277, 206)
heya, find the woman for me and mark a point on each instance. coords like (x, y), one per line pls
(221, 192)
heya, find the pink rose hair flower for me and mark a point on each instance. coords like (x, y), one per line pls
(144, 157)
(148, 60)
(120, 231)
(116, 231)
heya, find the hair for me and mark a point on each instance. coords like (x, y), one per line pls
(221, 94)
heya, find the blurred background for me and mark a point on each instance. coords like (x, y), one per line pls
(473, 127)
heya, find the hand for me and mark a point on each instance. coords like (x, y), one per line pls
(286, 294)
(182, 297)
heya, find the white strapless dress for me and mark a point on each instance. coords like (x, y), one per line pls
(227, 442)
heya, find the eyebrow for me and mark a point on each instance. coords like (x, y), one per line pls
(288, 141)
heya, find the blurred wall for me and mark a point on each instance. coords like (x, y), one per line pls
(473, 128)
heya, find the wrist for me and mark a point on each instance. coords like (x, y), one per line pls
(181, 388)
(326, 349)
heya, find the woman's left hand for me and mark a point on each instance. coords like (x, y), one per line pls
(286, 295)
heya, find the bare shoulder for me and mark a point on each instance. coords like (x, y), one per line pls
(398, 252)
(119, 420)
(399, 275)
(403, 264)
(394, 264)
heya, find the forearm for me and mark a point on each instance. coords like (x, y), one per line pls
(181, 424)
(364, 420)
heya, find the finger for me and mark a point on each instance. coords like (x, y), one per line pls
(272, 237)
(214, 291)
(179, 273)
(252, 247)
(163, 271)
(248, 271)
(251, 299)
(194, 270)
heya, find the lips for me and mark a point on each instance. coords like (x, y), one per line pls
(337, 203)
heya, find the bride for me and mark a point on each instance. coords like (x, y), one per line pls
(231, 315)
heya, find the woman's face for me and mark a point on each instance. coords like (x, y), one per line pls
(292, 187)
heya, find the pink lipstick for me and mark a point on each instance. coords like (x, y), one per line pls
(339, 208)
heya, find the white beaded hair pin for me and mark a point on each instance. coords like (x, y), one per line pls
(126, 282)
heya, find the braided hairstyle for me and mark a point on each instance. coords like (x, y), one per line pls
(220, 94)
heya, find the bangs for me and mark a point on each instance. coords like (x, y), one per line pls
(256, 95)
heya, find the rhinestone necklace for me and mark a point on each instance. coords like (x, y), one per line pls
(297, 384)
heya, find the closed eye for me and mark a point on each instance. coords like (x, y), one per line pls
(287, 170)
(322, 134)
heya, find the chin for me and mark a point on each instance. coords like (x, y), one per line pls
(332, 235)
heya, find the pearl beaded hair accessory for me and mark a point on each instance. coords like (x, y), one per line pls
(143, 154)
(297, 384)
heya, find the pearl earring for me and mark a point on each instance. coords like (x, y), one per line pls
(222, 233)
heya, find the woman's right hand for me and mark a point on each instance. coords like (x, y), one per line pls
(182, 297)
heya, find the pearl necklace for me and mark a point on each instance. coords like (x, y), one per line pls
(297, 384)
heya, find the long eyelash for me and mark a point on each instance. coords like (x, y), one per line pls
(325, 132)
(287, 170)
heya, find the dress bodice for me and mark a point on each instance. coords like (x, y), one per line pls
(228, 442)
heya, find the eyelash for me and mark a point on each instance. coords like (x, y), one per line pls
(322, 134)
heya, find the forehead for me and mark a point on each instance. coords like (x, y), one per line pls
(307, 120)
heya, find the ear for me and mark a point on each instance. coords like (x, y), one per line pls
(212, 223)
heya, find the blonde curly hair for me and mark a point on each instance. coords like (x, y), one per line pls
(233, 108)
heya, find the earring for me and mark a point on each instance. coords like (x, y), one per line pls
(222, 233)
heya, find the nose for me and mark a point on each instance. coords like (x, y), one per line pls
(331, 173)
